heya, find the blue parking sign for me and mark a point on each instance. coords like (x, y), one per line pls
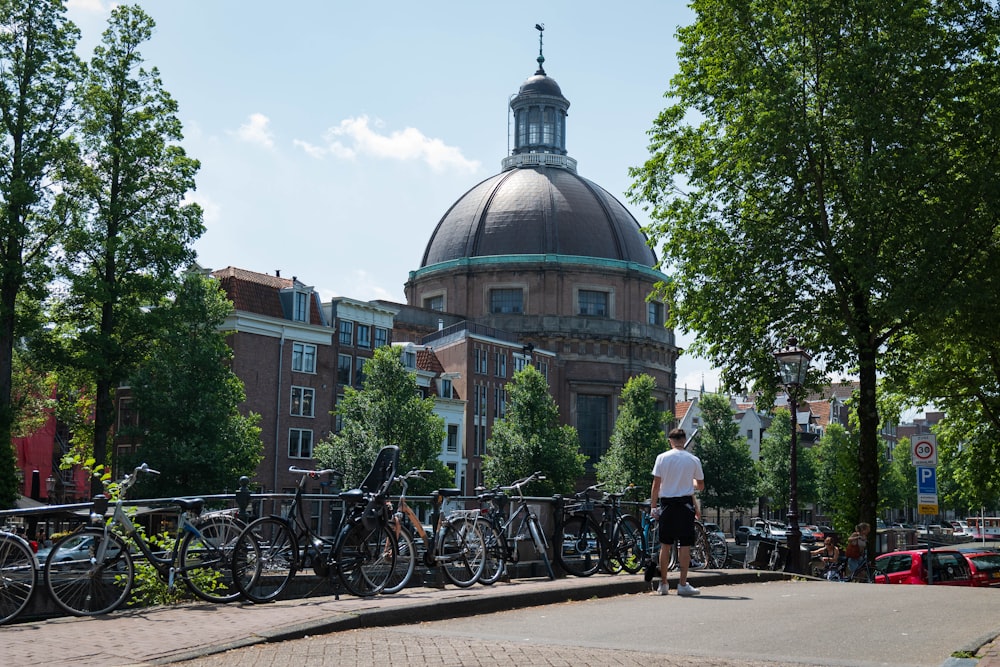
(926, 480)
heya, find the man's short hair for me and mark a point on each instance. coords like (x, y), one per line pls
(677, 434)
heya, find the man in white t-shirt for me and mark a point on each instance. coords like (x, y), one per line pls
(677, 474)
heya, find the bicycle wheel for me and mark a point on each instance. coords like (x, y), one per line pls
(17, 577)
(581, 551)
(464, 551)
(862, 575)
(628, 546)
(206, 560)
(406, 562)
(719, 551)
(265, 558)
(366, 558)
(540, 547)
(494, 559)
(701, 552)
(94, 582)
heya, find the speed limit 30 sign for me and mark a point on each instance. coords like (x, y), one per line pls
(923, 450)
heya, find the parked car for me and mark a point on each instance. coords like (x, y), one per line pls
(817, 532)
(744, 534)
(960, 528)
(775, 530)
(714, 528)
(76, 548)
(985, 566)
(949, 568)
(807, 536)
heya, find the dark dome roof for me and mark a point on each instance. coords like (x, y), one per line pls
(538, 210)
(540, 84)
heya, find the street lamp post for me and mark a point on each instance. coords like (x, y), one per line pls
(793, 362)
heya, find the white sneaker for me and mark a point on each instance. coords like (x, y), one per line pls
(687, 590)
(663, 589)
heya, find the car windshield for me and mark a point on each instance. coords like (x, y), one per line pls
(986, 562)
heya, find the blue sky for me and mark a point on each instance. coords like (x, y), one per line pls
(334, 135)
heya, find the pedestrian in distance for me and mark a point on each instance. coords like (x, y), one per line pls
(857, 544)
(677, 474)
(829, 554)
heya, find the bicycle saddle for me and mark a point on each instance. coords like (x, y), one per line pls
(448, 493)
(189, 504)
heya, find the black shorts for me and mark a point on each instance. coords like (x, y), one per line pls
(677, 521)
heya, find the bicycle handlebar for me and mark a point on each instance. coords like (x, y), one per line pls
(536, 476)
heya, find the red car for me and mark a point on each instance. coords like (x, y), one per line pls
(950, 568)
(985, 566)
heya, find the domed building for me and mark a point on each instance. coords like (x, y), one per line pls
(542, 253)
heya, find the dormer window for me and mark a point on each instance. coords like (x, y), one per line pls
(410, 359)
(301, 307)
(445, 388)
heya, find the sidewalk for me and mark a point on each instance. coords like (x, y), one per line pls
(164, 635)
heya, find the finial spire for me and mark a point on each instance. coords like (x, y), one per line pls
(540, 27)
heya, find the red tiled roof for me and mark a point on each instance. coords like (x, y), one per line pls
(681, 409)
(254, 292)
(428, 361)
(821, 411)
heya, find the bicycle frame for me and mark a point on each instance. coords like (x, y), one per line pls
(433, 547)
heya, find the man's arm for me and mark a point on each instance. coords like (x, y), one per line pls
(699, 485)
(654, 493)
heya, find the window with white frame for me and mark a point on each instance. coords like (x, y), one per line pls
(482, 361)
(302, 401)
(592, 303)
(304, 357)
(346, 330)
(364, 336)
(301, 308)
(451, 445)
(444, 388)
(300, 443)
(381, 337)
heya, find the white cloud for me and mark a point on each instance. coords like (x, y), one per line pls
(311, 150)
(354, 136)
(96, 6)
(255, 131)
(211, 211)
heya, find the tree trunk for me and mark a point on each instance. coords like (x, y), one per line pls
(868, 430)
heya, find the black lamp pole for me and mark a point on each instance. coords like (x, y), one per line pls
(793, 363)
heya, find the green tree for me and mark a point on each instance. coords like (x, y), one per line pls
(132, 231)
(786, 201)
(637, 439)
(899, 479)
(730, 477)
(528, 438)
(38, 74)
(836, 457)
(388, 410)
(775, 464)
(187, 398)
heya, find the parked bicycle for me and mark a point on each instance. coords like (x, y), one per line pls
(18, 577)
(626, 540)
(709, 550)
(453, 541)
(100, 581)
(582, 545)
(503, 535)
(360, 555)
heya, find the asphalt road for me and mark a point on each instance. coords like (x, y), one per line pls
(741, 625)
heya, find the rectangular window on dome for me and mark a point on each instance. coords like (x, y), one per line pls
(654, 310)
(548, 126)
(593, 303)
(507, 300)
(534, 125)
(434, 302)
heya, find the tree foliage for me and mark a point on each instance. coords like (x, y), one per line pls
(529, 438)
(828, 170)
(775, 464)
(388, 410)
(187, 399)
(38, 74)
(637, 439)
(132, 231)
(836, 456)
(730, 477)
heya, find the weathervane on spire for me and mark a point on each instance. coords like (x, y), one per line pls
(540, 27)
